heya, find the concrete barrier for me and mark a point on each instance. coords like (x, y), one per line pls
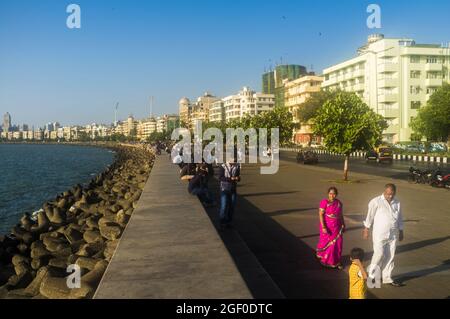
(399, 157)
(170, 248)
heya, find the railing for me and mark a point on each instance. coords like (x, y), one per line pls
(359, 154)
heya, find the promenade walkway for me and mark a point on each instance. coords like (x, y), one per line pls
(170, 248)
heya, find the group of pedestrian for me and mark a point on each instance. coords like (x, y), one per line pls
(198, 176)
(384, 218)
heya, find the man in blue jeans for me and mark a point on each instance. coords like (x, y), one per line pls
(228, 177)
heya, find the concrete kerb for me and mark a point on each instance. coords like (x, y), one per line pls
(398, 157)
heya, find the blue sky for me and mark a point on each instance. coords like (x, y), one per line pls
(127, 51)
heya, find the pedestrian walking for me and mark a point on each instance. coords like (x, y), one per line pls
(385, 218)
(228, 177)
(331, 229)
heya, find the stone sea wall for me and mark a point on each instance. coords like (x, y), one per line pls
(81, 226)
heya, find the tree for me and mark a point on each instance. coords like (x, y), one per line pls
(309, 109)
(433, 120)
(83, 136)
(279, 118)
(347, 124)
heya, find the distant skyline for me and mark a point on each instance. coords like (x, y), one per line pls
(127, 51)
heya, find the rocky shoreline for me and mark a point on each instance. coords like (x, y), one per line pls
(81, 226)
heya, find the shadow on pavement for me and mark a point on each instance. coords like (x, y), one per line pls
(406, 247)
(424, 272)
(269, 193)
(288, 211)
(289, 261)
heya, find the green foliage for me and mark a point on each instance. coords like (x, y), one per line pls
(347, 124)
(279, 118)
(159, 136)
(310, 108)
(433, 120)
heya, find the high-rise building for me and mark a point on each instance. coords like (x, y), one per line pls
(395, 77)
(185, 110)
(200, 110)
(296, 93)
(190, 114)
(6, 122)
(268, 83)
(272, 82)
(167, 123)
(49, 127)
(217, 112)
(248, 102)
(146, 127)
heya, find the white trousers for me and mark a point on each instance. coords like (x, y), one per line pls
(383, 257)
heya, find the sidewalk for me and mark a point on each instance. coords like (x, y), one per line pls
(170, 249)
(277, 218)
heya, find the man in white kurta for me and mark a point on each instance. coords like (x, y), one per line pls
(385, 218)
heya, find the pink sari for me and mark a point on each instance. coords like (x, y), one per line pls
(329, 248)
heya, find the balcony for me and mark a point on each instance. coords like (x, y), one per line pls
(387, 67)
(433, 82)
(433, 67)
(330, 81)
(392, 129)
(359, 73)
(384, 83)
(391, 113)
(393, 97)
(359, 87)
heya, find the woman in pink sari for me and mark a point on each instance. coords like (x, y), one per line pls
(329, 248)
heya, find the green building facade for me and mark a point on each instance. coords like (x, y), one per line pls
(272, 82)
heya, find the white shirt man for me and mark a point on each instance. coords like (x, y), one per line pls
(385, 218)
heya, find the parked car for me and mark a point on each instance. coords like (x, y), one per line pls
(381, 154)
(308, 157)
(415, 148)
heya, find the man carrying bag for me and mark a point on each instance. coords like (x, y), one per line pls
(228, 178)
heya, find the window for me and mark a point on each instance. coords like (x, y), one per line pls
(415, 105)
(434, 75)
(415, 74)
(432, 59)
(415, 89)
(431, 90)
(415, 59)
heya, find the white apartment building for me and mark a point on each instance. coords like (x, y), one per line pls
(395, 77)
(217, 112)
(247, 102)
(145, 128)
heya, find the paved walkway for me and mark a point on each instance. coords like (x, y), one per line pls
(278, 220)
(170, 249)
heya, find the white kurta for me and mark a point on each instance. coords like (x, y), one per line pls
(386, 220)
